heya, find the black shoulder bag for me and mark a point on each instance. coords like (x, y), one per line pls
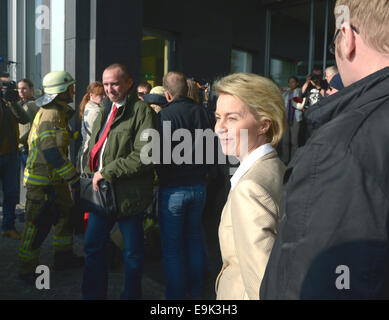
(101, 202)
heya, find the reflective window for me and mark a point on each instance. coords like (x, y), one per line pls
(281, 70)
(241, 61)
(290, 51)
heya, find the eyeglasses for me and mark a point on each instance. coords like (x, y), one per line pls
(141, 94)
(331, 47)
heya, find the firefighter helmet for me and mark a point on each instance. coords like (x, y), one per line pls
(57, 82)
(54, 83)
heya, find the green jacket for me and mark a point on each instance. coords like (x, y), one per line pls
(132, 180)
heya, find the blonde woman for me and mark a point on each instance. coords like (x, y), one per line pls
(250, 121)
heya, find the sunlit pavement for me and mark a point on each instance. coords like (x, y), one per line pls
(66, 285)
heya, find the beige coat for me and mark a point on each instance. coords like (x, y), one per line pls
(248, 228)
(91, 112)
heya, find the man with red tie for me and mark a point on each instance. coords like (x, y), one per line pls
(115, 148)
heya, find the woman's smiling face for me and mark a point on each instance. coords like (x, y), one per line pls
(236, 127)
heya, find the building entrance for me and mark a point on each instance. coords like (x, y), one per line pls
(155, 58)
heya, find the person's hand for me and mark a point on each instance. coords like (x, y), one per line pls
(96, 178)
(308, 78)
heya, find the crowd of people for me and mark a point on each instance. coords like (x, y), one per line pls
(298, 100)
(283, 232)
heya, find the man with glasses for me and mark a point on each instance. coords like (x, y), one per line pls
(333, 241)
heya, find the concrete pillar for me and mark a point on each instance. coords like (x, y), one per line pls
(45, 55)
(77, 33)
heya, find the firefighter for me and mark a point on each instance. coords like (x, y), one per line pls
(51, 180)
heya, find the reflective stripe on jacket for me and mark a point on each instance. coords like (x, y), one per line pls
(49, 134)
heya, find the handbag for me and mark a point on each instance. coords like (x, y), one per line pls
(101, 202)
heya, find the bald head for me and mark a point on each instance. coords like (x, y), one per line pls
(175, 85)
(117, 82)
(120, 68)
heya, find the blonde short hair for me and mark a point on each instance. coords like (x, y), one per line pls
(371, 18)
(261, 96)
(332, 70)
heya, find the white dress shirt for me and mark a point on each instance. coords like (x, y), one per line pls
(246, 164)
(118, 105)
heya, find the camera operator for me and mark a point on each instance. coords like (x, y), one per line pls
(314, 87)
(10, 115)
(313, 91)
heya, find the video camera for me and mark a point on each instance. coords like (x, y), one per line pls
(9, 91)
(315, 78)
(10, 85)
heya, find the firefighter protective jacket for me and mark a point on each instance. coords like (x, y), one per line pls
(48, 144)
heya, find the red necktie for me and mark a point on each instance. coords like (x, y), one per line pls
(94, 154)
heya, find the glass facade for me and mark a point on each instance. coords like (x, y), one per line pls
(27, 20)
(241, 61)
(299, 34)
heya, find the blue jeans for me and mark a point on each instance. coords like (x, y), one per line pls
(23, 159)
(95, 279)
(9, 166)
(180, 211)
